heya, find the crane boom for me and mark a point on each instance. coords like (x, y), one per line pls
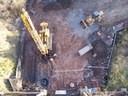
(43, 48)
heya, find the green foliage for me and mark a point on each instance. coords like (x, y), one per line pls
(8, 53)
(9, 38)
(119, 71)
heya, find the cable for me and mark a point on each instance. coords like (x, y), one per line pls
(62, 71)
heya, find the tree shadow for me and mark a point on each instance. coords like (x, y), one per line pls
(8, 85)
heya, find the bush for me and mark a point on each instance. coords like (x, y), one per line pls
(119, 72)
(9, 11)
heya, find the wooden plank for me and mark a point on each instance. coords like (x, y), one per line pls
(51, 35)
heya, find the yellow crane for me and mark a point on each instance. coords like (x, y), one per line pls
(42, 39)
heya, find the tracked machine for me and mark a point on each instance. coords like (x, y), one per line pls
(41, 38)
(96, 16)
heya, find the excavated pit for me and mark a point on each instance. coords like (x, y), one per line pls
(68, 38)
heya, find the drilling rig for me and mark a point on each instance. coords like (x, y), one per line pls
(41, 38)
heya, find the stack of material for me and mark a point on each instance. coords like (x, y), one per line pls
(119, 27)
(85, 49)
(60, 92)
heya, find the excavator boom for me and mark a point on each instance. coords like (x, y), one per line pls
(33, 32)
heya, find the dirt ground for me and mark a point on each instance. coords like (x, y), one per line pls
(68, 38)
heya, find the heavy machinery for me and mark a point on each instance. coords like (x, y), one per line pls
(96, 16)
(42, 39)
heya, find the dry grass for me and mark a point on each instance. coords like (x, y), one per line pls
(9, 38)
(119, 72)
(8, 52)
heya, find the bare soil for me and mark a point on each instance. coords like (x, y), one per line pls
(68, 39)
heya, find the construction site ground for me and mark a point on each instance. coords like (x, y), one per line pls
(68, 38)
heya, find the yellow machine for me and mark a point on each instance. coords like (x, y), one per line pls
(45, 36)
(89, 20)
(96, 16)
(42, 39)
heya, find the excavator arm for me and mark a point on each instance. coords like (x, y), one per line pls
(43, 48)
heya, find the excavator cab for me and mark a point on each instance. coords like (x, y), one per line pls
(97, 15)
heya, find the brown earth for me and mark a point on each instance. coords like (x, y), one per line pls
(68, 39)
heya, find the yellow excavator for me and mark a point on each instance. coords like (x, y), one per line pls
(96, 16)
(42, 39)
